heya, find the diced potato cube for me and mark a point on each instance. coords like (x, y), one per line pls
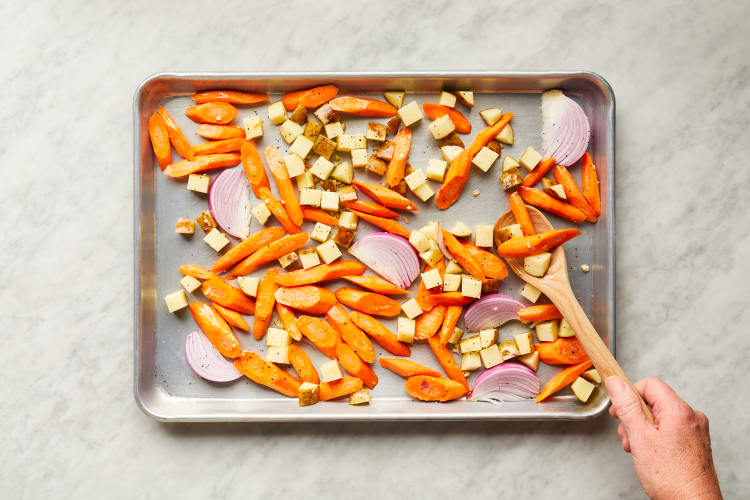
(453, 268)
(385, 151)
(546, 331)
(301, 146)
(415, 179)
(508, 350)
(447, 99)
(348, 220)
(456, 336)
(471, 344)
(344, 236)
(198, 183)
(531, 360)
(592, 375)
(330, 371)
(324, 147)
(176, 301)
(530, 293)
(277, 337)
(393, 124)
(524, 342)
(490, 285)
(465, 97)
(309, 258)
(405, 330)
(491, 115)
(289, 260)
(308, 394)
(326, 114)
(312, 131)
(442, 127)
(347, 193)
(488, 336)
(410, 114)
(559, 191)
(322, 168)
(190, 284)
(509, 163)
(248, 285)
(334, 129)
(530, 158)
(436, 170)
(359, 158)
(452, 282)
(471, 287)
(360, 141)
(470, 361)
(310, 197)
(206, 222)
(216, 239)
(419, 241)
(330, 201)
(511, 179)
(277, 113)
(295, 166)
(328, 251)
(346, 142)
(253, 127)
(290, 130)
(411, 308)
(582, 388)
(536, 265)
(431, 256)
(320, 232)
(376, 132)
(460, 230)
(507, 232)
(305, 181)
(376, 165)
(424, 192)
(506, 135)
(453, 139)
(395, 97)
(450, 152)
(299, 115)
(484, 236)
(185, 226)
(329, 184)
(484, 159)
(431, 279)
(361, 397)
(490, 356)
(495, 146)
(565, 329)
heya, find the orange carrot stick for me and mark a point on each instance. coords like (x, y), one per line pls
(220, 132)
(355, 366)
(370, 207)
(234, 318)
(176, 137)
(157, 130)
(322, 272)
(203, 163)
(426, 388)
(563, 351)
(368, 302)
(445, 358)
(563, 379)
(447, 299)
(385, 196)
(574, 195)
(452, 315)
(216, 329)
(309, 98)
(351, 333)
(265, 302)
(521, 214)
(362, 106)
(270, 252)
(491, 264)
(219, 113)
(406, 367)
(198, 272)
(254, 169)
(247, 247)
(395, 173)
(221, 292)
(389, 225)
(216, 147)
(339, 388)
(318, 215)
(542, 312)
(284, 184)
(544, 201)
(380, 334)
(429, 323)
(463, 256)
(230, 96)
(289, 320)
(376, 284)
(320, 334)
(434, 111)
(309, 299)
(302, 365)
(590, 184)
(539, 171)
(278, 210)
(265, 373)
(523, 246)
(423, 292)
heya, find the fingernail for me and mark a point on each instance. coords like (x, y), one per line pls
(615, 386)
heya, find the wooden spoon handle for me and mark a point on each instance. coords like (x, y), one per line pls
(595, 347)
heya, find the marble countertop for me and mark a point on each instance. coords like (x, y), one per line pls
(71, 428)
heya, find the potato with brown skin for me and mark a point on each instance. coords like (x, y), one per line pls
(329, 185)
(376, 131)
(326, 114)
(324, 147)
(490, 285)
(385, 151)
(376, 165)
(206, 222)
(299, 115)
(344, 236)
(312, 130)
(511, 179)
(451, 140)
(393, 124)
(495, 146)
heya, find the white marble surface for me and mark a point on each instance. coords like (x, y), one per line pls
(70, 426)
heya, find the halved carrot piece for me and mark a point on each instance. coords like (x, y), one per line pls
(351, 333)
(389, 225)
(198, 272)
(491, 264)
(230, 96)
(380, 334)
(247, 246)
(216, 147)
(355, 366)
(265, 373)
(423, 292)
(539, 171)
(183, 168)
(339, 388)
(286, 314)
(541, 312)
(429, 323)
(320, 334)
(234, 318)
(426, 388)
(395, 173)
(445, 358)
(590, 184)
(284, 184)
(463, 256)
(322, 272)
(219, 113)
(562, 379)
(318, 215)
(363, 106)
(309, 98)
(563, 351)
(452, 315)
(406, 367)
(434, 111)
(176, 137)
(310, 299)
(521, 214)
(218, 290)
(157, 131)
(253, 166)
(573, 193)
(544, 201)
(302, 365)
(278, 210)
(523, 246)
(376, 284)
(265, 302)
(220, 132)
(370, 207)
(447, 299)
(216, 329)
(368, 302)
(270, 252)
(385, 196)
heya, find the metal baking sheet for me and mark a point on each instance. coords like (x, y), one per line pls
(167, 389)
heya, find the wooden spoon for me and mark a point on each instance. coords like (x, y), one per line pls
(556, 286)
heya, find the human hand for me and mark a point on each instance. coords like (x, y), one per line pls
(672, 457)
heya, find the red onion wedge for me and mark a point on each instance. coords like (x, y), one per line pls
(229, 202)
(491, 311)
(389, 255)
(565, 128)
(506, 382)
(206, 361)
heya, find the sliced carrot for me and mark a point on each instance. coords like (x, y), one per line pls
(362, 106)
(523, 246)
(284, 184)
(234, 318)
(448, 299)
(254, 169)
(216, 329)
(351, 333)
(463, 256)
(320, 334)
(370, 207)
(380, 334)
(542, 312)
(302, 365)
(291, 99)
(544, 201)
(219, 113)
(355, 366)
(278, 210)
(452, 315)
(183, 168)
(539, 171)
(198, 272)
(339, 388)
(230, 96)
(395, 173)
(590, 184)
(265, 373)
(434, 111)
(247, 247)
(265, 302)
(563, 351)
(445, 358)
(286, 314)
(376, 284)
(429, 323)
(216, 147)
(157, 131)
(562, 379)
(218, 290)
(423, 292)
(521, 214)
(491, 264)
(318, 215)
(220, 132)
(368, 302)
(176, 137)
(426, 388)
(573, 193)
(389, 225)
(322, 272)
(309, 98)
(310, 299)
(406, 367)
(270, 252)
(385, 196)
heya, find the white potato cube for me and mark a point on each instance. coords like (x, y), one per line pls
(565, 329)
(488, 336)
(419, 241)
(559, 191)
(301, 146)
(198, 183)
(471, 287)
(470, 361)
(360, 141)
(310, 197)
(309, 394)
(471, 344)
(359, 158)
(253, 127)
(536, 265)
(491, 115)
(305, 181)
(329, 200)
(277, 113)
(456, 336)
(295, 165)
(531, 360)
(309, 258)
(453, 268)
(490, 356)
(320, 232)
(279, 355)
(277, 337)
(410, 114)
(452, 282)
(424, 192)
(484, 159)
(261, 213)
(334, 129)
(190, 284)
(530, 293)
(248, 285)
(415, 179)
(592, 375)
(436, 170)
(461, 230)
(347, 193)
(405, 330)
(447, 99)
(348, 220)
(546, 331)
(290, 130)
(530, 158)
(330, 371)
(508, 350)
(431, 279)
(322, 168)
(509, 163)
(395, 97)
(484, 236)
(442, 127)
(431, 256)
(361, 397)
(450, 152)
(524, 342)
(506, 135)
(582, 388)
(411, 308)
(343, 172)
(346, 142)
(176, 301)
(466, 97)
(509, 232)
(328, 251)
(216, 239)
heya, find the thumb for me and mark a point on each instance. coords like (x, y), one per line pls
(626, 403)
